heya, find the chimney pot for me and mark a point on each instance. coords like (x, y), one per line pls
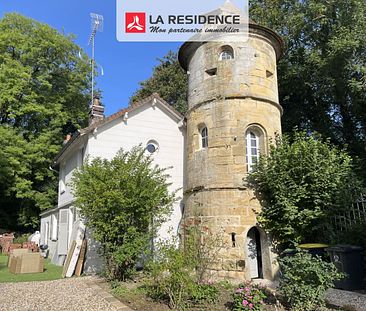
(67, 138)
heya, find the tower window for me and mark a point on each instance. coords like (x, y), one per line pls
(204, 137)
(227, 52)
(252, 141)
(211, 72)
(233, 239)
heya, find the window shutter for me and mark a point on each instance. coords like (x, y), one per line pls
(63, 232)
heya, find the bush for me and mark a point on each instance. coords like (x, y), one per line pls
(179, 275)
(249, 296)
(302, 183)
(304, 280)
(21, 238)
(121, 199)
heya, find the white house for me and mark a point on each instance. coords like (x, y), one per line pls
(152, 123)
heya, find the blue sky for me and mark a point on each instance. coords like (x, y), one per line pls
(125, 64)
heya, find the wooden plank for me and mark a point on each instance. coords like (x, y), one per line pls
(80, 264)
(68, 258)
(79, 228)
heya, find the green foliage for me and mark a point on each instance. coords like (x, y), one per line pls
(124, 201)
(302, 184)
(21, 238)
(179, 275)
(322, 75)
(304, 280)
(171, 277)
(43, 86)
(249, 296)
(355, 235)
(168, 80)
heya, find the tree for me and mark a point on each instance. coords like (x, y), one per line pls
(168, 80)
(302, 185)
(124, 201)
(44, 85)
(322, 75)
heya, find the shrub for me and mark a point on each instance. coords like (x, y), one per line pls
(302, 183)
(171, 277)
(124, 201)
(21, 238)
(249, 296)
(179, 275)
(204, 293)
(304, 280)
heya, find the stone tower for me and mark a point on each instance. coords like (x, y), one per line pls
(233, 113)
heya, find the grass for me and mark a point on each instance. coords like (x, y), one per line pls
(51, 272)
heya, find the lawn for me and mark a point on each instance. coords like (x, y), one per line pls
(51, 272)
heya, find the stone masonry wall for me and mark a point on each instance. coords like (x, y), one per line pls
(228, 97)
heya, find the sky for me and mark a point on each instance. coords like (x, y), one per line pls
(125, 64)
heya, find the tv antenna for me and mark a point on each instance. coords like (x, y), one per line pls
(96, 25)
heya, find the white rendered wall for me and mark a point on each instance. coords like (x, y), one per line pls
(69, 164)
(144, 124)
(52, 244)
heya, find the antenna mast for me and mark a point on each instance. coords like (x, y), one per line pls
(96, 25)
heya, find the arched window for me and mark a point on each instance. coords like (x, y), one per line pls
(252, 141)
(204, 137)
(227, 52)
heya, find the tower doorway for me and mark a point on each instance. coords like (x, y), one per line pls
(254, 253)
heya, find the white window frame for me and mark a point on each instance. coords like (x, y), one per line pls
(226, 55)
(155, 144)
(252, 157)
(71, 221)
(62, 178)
(204, 137)
(54, 227)
(47, 232)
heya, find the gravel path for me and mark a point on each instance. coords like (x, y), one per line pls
(342, 298)
(79, 294)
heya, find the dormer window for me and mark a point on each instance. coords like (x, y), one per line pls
(226, 53)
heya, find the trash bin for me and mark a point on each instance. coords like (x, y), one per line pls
(316, 249)
(290, 252)
(348, 259)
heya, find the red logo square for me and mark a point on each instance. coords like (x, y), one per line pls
(135, 22)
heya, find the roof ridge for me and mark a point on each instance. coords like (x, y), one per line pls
(128, 109)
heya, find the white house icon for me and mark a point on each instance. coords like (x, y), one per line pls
(135, 24)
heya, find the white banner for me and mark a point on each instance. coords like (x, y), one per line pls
(182, 20)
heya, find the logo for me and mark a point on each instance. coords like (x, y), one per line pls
(135, 22)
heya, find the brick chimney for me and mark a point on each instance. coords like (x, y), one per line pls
(97, 111)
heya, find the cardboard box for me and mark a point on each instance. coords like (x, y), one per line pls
(15, 253)
(27, 263)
